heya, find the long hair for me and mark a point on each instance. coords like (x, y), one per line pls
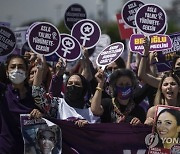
(159, 98)
(173, 112)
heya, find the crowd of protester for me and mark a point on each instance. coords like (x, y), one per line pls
(119, 93)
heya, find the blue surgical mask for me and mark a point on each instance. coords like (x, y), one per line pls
(124, 92)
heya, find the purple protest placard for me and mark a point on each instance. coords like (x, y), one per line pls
(165, 57)
(87, 32)
(129, 10)
(70, 48)
(110, 54)
(7, 41)
(150, 19)
(73, 14)
(158, 42)
(43, 38)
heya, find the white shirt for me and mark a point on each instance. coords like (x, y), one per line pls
(65, 111)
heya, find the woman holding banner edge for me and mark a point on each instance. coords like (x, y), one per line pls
(15, 100)
(71, 107)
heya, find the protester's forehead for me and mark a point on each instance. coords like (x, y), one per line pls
(167, 116)
(75, 78)
(169, 79)
(17, 60)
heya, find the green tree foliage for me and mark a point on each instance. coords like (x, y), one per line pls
(62, 27)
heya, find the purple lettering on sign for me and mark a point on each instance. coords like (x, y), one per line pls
(150, 19)
(87, 32)
(43, 38)
(7, 41)
(110, 54)
(129, 10)
(70, 48)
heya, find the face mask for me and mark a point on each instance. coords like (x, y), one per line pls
(124, 92)
(17, 76)
(75, 95)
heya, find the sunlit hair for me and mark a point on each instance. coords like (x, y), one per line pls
(159, 98)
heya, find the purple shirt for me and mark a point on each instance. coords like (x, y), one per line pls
(11, 107)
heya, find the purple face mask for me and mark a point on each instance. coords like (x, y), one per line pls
(124, 92)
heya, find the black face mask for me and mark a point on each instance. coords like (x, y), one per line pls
(74, 96)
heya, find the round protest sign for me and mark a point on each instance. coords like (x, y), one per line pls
(73, 14)
(87, 32)
(70, 48)
(44, 38)
(7, 41)
(150, 19)
(129, 10)
(110, 54)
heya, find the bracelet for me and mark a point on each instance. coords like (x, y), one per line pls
(99, 89)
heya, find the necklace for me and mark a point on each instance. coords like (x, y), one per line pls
(119, 115)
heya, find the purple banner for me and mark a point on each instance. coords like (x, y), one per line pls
(73, 14)
(43, 38)
(110, 54)
(150, 19)
(87, 32)
(165, 57)
(158, 42)
(129, 10)
(7, 41)
(70, 48)
(103, 138)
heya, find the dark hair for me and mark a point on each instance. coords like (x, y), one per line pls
(122, 72)
(173, 112)
(176, 57)
(83, 80)
(120, 63)
(13, 56)
(119, 73)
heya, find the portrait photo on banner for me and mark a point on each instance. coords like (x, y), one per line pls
(166, 130)
(40, 136)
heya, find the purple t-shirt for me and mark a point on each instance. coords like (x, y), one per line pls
(11, 107)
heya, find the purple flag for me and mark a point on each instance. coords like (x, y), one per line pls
(103, 138)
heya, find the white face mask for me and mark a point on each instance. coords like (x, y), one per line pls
(17, 76)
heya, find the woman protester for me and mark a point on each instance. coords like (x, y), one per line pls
(72, 106)
(168, 93)
(123, 107)
(16, 99)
